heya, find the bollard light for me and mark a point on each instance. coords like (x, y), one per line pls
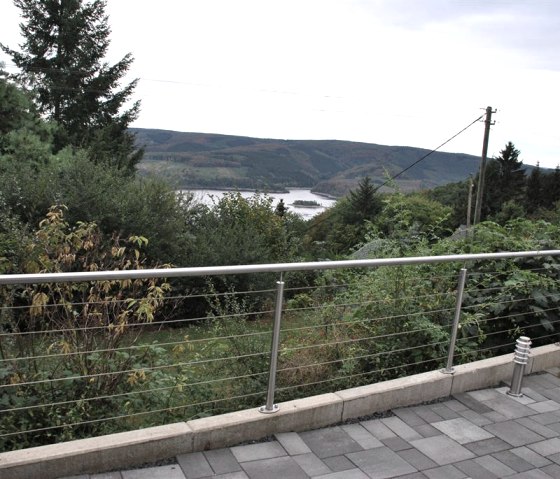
(520, 358)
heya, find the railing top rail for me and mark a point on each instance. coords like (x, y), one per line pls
(259, 268)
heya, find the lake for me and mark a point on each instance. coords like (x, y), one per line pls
(205, 196)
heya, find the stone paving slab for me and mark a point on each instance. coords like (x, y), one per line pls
(481, 434)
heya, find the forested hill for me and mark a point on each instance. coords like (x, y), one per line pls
(194, 160)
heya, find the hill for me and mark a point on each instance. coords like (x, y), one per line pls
(202, 160)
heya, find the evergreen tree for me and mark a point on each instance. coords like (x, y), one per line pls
(551, 188)
(364, 203)
(61, 59)
(535, 190)
(505, 180)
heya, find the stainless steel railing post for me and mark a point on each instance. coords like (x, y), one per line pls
(270, 407)
(449, 369)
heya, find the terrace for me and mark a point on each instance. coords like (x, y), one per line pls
(324, 363)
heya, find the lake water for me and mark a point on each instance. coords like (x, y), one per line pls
(205, 196)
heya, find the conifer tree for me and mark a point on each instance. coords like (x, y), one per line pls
(505, 178)
(62, 61)
(535, 190)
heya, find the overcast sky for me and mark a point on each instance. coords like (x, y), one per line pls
(395, 72)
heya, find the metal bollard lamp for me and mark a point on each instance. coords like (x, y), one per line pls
(520, 358)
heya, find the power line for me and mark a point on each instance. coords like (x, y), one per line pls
(428, 154)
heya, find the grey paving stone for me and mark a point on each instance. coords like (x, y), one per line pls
(474, 470)
(400, 428)
(545, 406)
(513, 433)
(547, 447)
(545, 418)
(275, 468)
(230, 475)
(534, 394)
(338, 463)
(524, 399)
(311, 464)
(553, 394)
(455, 405)
(378, 429)
(487, 446)
(331, 441)
(532, 474)
(427, 430)
(425, 413)
(416, 459)
(517, 463)
(352, 474)
(82, 476)
(292, 443)
(445, 472)
(194, 465)
(106, 475)
(462, 431)
(494, 466)
(483, 394)
(538, 382)
(530, 456)
(475, 418)
(554, 457)
(222, 461)
(495, 416)
(396, 443)
(409, 416)
(540, 429)
(161, 472)
(381, 463)
(553, 471)
(362, 436)
(471, 403)
(555, 426)
(444, 411)
(442, 450)
(255, 452)
(414, 475)
(508, 408)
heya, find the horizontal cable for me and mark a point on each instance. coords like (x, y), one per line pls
(356, 340)
(382, 353)
(135, 370)
(340, 378)
(146, 324)
(370, 302)
(134, 347)
(133, 393)
(125, 416)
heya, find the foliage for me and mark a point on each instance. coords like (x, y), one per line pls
(505, 181)
(65, 42)
(54, 378)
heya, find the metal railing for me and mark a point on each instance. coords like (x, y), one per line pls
(79, 356)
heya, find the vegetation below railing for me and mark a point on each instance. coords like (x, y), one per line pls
(83, 359)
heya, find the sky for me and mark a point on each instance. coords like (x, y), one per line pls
(392, 72)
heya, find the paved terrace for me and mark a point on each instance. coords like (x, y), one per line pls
(481, 434)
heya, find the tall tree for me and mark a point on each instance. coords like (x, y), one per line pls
(62, 60)
(505, 180)
(535, 190)
(365, 203)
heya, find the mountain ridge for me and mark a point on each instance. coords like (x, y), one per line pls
(211, 160)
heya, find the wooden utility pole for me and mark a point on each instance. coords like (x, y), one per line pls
(469, 204)
(482, 172)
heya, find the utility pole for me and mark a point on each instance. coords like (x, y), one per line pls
(469, 204)
(482, 172)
